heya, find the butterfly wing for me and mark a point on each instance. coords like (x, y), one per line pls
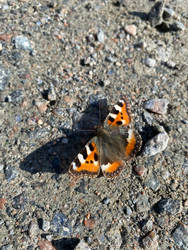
(124, 141)
(87, 161)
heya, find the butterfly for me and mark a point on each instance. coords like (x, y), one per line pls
(115, 142)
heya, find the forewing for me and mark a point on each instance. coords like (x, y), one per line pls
(87, 161)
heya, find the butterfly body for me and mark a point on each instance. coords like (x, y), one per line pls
(114, 143)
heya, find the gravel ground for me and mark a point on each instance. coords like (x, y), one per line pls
(59, 60)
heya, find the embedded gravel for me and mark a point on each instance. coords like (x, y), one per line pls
(62, 63)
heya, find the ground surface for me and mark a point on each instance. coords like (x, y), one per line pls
(78, 53)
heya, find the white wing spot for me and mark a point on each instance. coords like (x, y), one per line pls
(113, 115)
(88, 150)
(117, 107)
(74, 166)
(104, 167)
(81, 158)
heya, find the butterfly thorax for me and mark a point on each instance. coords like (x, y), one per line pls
(111, 145)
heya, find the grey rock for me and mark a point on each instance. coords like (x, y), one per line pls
(156, 12)
(45, 225)
(101, 36)
(142, 204)
(1, 167)
(82, 245)
(157, 105)
(51, 93)
(156, 145)
(185, 168)
(127, 210)
(15, 97)
(33, 229)
(4, 78)
(2, 116)
(168, 206)
(114, 237)
(106, 201)
(168, 13)
(147, 117)
(178, 26)
(7, 247)
(19, 201)
(60, 225)
(153, 183)
(150, 242)
(22, 42)
(180, 236)
(150, 62)
(147, 225)
(10, 173)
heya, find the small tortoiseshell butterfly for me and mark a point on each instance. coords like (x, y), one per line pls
(115, 142)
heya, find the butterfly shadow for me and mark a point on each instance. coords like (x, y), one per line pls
(56, 156)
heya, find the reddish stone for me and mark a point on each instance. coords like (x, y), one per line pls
(2, 203)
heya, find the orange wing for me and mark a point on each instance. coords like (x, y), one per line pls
(112, 169)
(87, 161)
(120, 114)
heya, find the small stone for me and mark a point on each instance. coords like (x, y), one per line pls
(170, 64)
(1, 116)
(178, 26)
(51, 93)
(168, 13)
(45, 245)
(82, 245)
(140, 170)
(180, 236)
(147, 225)
(142, 204)
(42, 106)
(106, 201)
(127, 210)
(1, 167)
(7, 247)
(16, 97)
(2, 203)
(114, 237)
(168, 206)
(150, 242)
(148, 118)
(101, 36)
(60, 225)
(131, 29)
(5, 37)
(22, 42)
(153, 183)
(4, 78)
(150, 62)
(33, 229)
(158, 106)
(45, 225)
(156, 145)
(156, 12)
(89, 222)
(10, 173)
(19, 201)
(1, 47)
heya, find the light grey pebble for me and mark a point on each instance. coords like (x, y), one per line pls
(178, 26)
(33, 229)
(82, 245)
(147, 117)
(100, 36)
(142, 204)
(45, 225)
(157, 105)
(180, 236)
(168, 13)
(16, 97)
(10, 173)
(153, 183)
(156, 145)
(156, 12)
(147, 225)
(2, 116)
(4, 77)
(7, 247)
(114, 237)
(127, 210)
(185, 168)
(168, 206)
(106, 201)
(22, 42)
(51, 93)
(1, 167)
(150, 62)
(170, 64)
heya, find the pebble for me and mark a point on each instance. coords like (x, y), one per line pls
(4, 78)
(16, 97)
(148, 118)
(158, 106)
(82, 245)
(153, 183)
(168, 206)
(89, 222)
(131, 29)
(1, 116)
(178, 26)
(150, 242)
(106, 201)
(42, 106)
(51, 93)
(150, 62)
(127, 210)
(19, 201)
(114, 238)
(45, 225)
(142, 204)
(101, 36)
(156, 145)
(147, 225)
(22, 42)
(45, 245)
(33, 229)
(10, 173)
(60, 225)
(140, 170)
(2, 203)
(180, 236)
(156, 12)
(168, 13)
(7, 247)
